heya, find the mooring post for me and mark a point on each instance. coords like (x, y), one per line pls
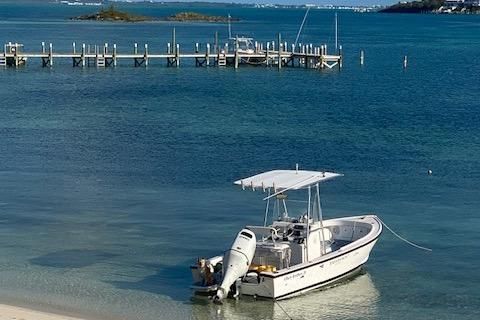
(135, 48)
(405, 62)
(340, 59)
(169, 48)
(207, 55)
(362, 57)
(43, 47)
(226, 48)
(216, 43)
(236, 54)
(177, 55)
(74, 59)
(196, 47)
(4, 58)
(83, 55)
(145, 55)
(279, 51)
(114, 55)
(50, 54)
(105, 49)
(266, 54)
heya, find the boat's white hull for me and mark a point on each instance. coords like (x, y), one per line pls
(324, 270)
(309, 276)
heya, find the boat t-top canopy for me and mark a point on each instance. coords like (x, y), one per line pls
(284, 180)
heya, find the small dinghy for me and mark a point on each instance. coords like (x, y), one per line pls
(289, 255)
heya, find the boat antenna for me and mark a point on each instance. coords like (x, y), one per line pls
(301, 26)
(336, 31)
(229, 27)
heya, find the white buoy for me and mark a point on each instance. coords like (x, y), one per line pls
(430, 172)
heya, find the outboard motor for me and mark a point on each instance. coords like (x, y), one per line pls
(236, 261)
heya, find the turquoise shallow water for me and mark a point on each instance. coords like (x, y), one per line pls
(113, 181)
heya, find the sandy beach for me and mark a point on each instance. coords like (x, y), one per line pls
(17, 313)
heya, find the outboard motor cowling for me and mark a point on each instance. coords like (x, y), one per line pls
(236, 261)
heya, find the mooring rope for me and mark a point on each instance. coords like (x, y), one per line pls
(403, 239)
(278, 304)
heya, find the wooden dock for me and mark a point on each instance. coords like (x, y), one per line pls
(271, 54)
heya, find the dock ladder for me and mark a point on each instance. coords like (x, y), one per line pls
(101, 61)
(3, 61)
(222, 60)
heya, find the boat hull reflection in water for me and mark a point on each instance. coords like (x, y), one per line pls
(354, 298)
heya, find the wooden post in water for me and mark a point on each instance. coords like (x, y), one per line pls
(177, 55)
(279, 51)
(266, 54)
(340, 60)
(135, 48)
(216, 51)
(362, 57)
(145, 55)
(174, 38)
(236, 54)
(43, 47)
(50, 54)
(405, 62)
(114, 55)
(74, 49)
(207, 55)
(83, 55)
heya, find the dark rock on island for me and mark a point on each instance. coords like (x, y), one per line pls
(111, 14)
(194, 16)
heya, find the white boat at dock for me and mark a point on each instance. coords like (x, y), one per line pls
(289, 255)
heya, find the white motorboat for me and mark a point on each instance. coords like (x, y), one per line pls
(289, 255)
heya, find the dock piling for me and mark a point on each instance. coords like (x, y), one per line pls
(279, 51)
(50, 54)
(114, 55)
(177, 54)
(145, 55)
(236, 54)
(405, 62)
(362, 57)
(207, 55)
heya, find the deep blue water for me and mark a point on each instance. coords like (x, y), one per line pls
(113, 181)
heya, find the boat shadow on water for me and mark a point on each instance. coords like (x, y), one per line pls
(354, 298)
(74, 258)
(167, 280)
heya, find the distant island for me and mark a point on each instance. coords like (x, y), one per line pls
(194, 16)
(112, 14)
(435, 6)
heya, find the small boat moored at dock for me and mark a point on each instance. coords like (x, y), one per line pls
(289, 255)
